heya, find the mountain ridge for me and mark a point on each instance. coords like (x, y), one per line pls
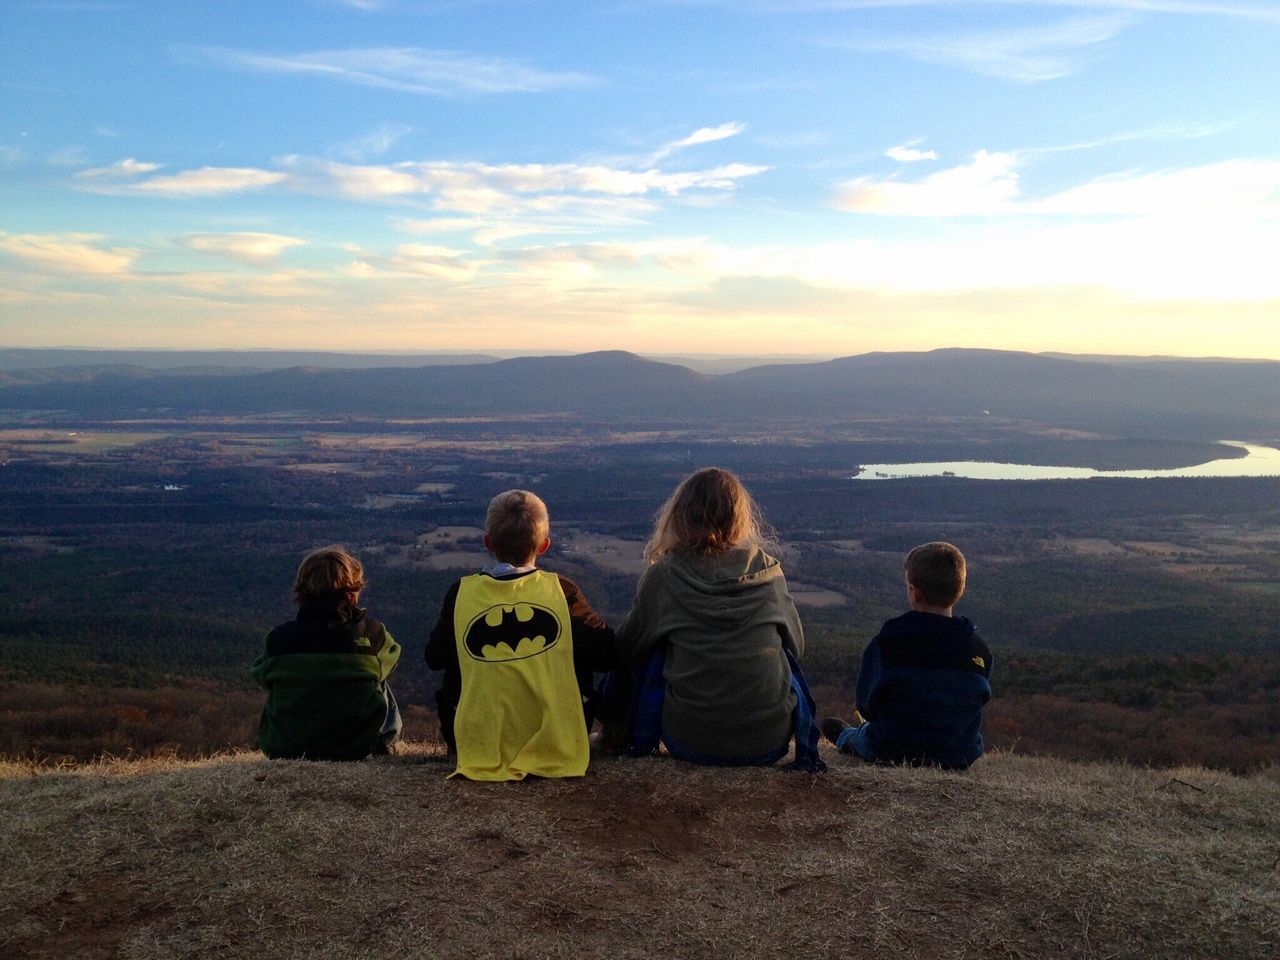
(1205, 398)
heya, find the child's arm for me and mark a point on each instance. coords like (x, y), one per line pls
(388, 655)
(792, 629)
(870, 677)
(258, 669)
(442, 648)
(594, 650)
(636, 636)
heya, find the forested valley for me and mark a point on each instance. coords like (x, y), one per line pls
(142, 563)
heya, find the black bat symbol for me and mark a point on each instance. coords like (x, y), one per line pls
(521, 621)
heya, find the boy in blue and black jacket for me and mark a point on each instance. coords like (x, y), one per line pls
(925, 677)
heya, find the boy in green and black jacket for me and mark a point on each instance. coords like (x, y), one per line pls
(326, 671)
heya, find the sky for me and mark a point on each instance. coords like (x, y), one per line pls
(741, 177)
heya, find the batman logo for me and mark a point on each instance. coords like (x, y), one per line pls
(511, 632)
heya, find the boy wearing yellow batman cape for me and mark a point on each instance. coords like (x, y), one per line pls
(518, 647)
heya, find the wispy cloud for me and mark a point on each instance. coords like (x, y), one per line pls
(244, 247)
(985, 186)
(70, 253)
(563, 191)
(702, 135)
(907, 153)
(989, 186)
(205, 182)
(415, 261)
(1227, 191)
(1024, 54)
(120, 170)
(374, 143)
(542, 216)
(1260, 10)
(482, 188)
(408, 69)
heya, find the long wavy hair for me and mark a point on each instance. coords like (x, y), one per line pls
(709, 513)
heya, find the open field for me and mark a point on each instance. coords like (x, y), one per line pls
(1017, 858)
(600, 550)
(38, 442)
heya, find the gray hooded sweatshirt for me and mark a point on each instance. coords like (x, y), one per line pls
(724, 621)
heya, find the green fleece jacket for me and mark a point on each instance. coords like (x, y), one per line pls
(324, 675)
(724, 621)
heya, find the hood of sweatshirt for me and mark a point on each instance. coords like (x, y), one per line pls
(726, 589)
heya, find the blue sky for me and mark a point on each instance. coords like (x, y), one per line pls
(816, 177)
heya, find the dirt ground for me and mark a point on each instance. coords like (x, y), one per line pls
(243, 857)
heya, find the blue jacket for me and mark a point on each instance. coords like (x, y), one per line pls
(922, 685)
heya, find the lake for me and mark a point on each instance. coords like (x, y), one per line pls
(1260, 462)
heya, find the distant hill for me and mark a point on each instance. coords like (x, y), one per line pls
(1177, 398)
(241, 857)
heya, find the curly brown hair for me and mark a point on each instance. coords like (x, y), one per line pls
(327, 572)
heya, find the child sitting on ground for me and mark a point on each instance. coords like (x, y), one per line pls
(712, 644)
(326, 670)
(924, 678)
(518, 647)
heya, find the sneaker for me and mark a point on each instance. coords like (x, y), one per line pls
(832, 727)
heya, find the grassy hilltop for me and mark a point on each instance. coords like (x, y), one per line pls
(237, 856)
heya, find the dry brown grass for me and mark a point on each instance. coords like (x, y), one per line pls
(237, 856)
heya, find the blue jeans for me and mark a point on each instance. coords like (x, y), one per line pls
(857, 740)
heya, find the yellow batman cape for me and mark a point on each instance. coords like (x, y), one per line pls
(520, 712)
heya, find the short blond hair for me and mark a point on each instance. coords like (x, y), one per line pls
(327, 572)
(516, 524)
(938, 571)
(709, 513)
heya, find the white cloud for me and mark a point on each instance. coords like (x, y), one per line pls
(907, 153)
(10, 155)
(205, 182)
(986, 186)
(702, 135)
(479, 188)
(71, 253)
(120, 170)
(408, 69)
(1230, 190)
(989, 186)
(245, 247)
(541, 215)
(1025, 54)
(1260, 10)
(433, 261)
(375, 143)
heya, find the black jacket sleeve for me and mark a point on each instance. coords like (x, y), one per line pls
(594, 650)
(442, 649)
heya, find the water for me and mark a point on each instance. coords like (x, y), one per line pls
(1260, 462)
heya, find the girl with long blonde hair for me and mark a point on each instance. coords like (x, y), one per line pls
(713, 639)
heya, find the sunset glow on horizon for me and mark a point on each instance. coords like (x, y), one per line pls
(813, 177)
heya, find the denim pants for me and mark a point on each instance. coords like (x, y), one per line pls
(857, 740)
